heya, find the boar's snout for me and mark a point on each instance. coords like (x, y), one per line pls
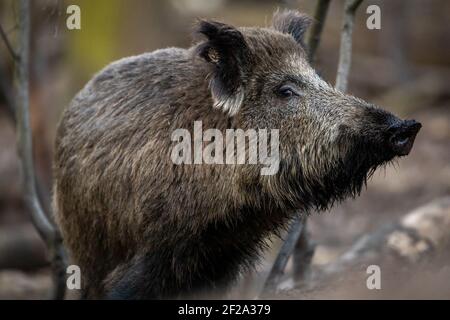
(402, 135)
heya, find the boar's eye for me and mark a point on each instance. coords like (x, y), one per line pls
(288, 91)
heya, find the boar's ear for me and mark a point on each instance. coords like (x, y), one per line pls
(293, 23)
(228, 53)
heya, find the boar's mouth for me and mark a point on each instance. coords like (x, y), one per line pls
(349, 177)
(350, 173)
(369, 153)
(353, 171)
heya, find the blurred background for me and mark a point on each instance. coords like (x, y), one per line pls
(404, 67)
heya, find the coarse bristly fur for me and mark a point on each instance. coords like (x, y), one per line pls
(140, 226)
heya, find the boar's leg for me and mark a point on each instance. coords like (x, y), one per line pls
(152, 276)
(135, 279)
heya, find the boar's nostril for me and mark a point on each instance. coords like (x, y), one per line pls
(402, 135)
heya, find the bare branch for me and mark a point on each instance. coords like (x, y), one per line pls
(25, 149)
(320, 15)
(8, 44)
(286, 250)
(345, 51)
(23, 126)
(302, 255)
